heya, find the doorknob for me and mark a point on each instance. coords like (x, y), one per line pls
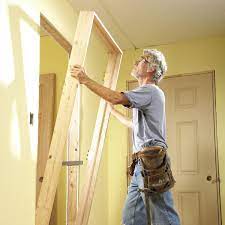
(209, 178)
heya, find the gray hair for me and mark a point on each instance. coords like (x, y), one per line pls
(157, 61)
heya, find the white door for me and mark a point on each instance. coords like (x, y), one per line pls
(191, 142)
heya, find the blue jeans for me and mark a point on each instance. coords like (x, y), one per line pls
(161, 205)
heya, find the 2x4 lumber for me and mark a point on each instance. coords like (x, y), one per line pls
(98, 139)
(73, 153)
(54, 162)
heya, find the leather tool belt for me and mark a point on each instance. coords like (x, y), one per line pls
(156, 169)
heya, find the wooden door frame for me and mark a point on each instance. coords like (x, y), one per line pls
(212, 72)
(86, 21)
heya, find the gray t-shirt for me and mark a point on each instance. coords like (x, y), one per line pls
(149, 118)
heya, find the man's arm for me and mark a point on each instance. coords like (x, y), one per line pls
(123, 119)
(114, 97)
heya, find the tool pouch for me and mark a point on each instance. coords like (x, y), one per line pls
(156, 171)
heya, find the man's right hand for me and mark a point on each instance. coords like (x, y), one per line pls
(78, 73)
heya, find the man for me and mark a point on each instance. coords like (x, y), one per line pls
(142, 207)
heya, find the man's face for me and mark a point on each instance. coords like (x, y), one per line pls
(140, 68)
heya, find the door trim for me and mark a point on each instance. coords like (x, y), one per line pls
(54, 33)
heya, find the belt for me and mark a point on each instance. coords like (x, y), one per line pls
(150, 151)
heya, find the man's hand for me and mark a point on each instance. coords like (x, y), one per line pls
(78, 73)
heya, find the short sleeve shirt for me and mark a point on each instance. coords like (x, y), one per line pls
(149, 118)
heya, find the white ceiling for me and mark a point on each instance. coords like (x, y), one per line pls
(140, 23)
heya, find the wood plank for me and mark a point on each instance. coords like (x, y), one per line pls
(54, 162)
(55, 34)
(73, 153)
(98, 139)
(47, 85)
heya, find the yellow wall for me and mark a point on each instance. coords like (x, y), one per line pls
(184, 57)
(19, 77)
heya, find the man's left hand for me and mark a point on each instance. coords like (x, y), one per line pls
(78, 73)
